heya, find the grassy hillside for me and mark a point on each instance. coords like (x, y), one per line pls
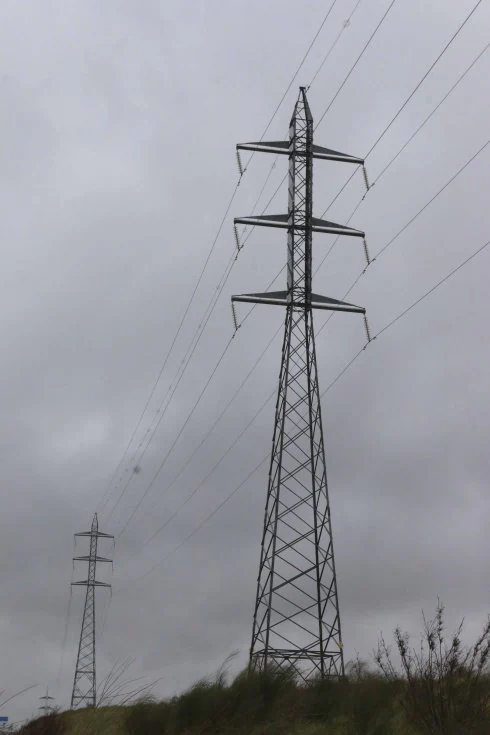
(363, 704)
(256, 705)
(439, 688)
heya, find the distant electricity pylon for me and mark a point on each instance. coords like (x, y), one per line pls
(296, 619)
(46, 707)
(84, 684)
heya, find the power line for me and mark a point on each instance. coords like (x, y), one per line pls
(455, 34)
(208, 518)
(234, 491)
(431, 290)
(17, 694)
(410, 221)
(219, 417)
(382, 135)
(105, 615)
(298, 69)
(443, 188)
(108, 486)
(173, 386)
(231, 446)
(325, 58)
(220, 360)
(337, 378)
(65, 636)
(330, 105)
(392, 160)
(212, 427)
(328, 108)
(336, 40)
(186, 311)
(390, 242)
(366, 45)
(186, 362)
(383, 249)
(186, 421)
(277, 189)
(404, 104)
(215, 466)
(224, 410)
(65, 633)
(412, 93)
(433, 111)
(192, 410)
(212, 470)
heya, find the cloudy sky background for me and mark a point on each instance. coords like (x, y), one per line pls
(118, 127)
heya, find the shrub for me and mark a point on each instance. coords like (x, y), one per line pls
(445, 685)
(147, 719)
(48, 725)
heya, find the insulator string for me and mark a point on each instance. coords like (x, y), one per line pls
(366, 252)
(235, 321)
(366, 180)
(366, 327)
(239, 162)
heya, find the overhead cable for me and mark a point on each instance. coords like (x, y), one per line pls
(380, 252)
(131, 439)
(389, 125)
(337, 378)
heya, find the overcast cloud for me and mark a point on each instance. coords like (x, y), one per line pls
(118, 127)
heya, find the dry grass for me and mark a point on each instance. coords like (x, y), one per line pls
(441, 689)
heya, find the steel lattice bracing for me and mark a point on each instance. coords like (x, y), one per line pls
(296, 619)
(85, 681)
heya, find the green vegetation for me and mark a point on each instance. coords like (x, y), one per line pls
(259, 705)
(441, 688)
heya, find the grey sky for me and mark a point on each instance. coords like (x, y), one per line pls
(118, 127)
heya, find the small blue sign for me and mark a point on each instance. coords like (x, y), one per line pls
(4, 719)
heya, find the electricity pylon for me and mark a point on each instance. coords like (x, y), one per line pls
(84, 683)
(46, 708)
(296, 620)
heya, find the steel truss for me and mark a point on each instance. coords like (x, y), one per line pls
(296, 619)
(85, 681)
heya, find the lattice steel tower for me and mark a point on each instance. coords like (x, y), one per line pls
(84, 684)
(296, 620)
(46, 708)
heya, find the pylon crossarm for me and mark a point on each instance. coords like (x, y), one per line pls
(283, 222)
(283, 147)
(275, 146)
(88, 558)
(282, 298)
(90, 583)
